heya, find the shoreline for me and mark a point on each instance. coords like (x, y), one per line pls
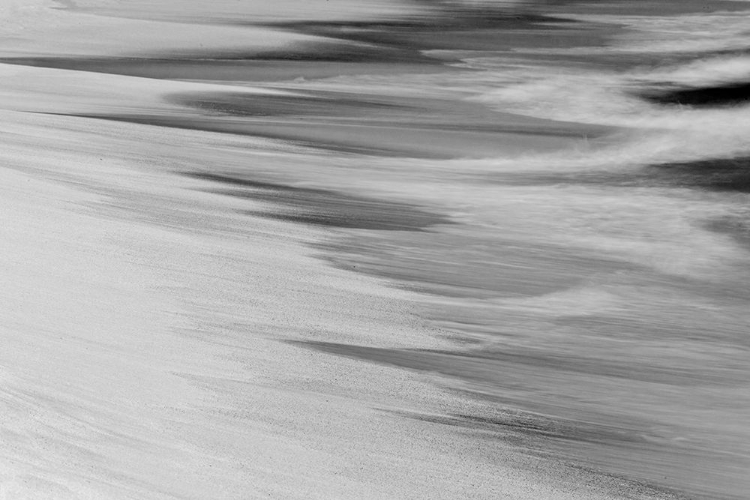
(250, 288)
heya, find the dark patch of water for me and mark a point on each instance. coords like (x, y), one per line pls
(458, 29)
(308, 60)
(730, 94)
(328, 208)
(368, 133)
(718, 174)
(721, 174)
(494, 367)
(736, 226)
(453, 265)
(267, 131)
(239, 104)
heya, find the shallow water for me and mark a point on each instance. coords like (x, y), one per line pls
(563, 191)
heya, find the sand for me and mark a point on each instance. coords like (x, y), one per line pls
(142, 359)
(143, 317)
(181, 317)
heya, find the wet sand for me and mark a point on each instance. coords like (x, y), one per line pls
(282, 269)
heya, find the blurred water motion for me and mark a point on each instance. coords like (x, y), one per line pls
(563, 185)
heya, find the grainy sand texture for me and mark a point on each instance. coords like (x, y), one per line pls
(374, 249)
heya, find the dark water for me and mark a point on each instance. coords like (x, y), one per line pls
(720, 95)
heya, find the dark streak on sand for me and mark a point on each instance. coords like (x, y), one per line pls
(494, 367)
(541, 435)
(296, 61)
(417, 113)
(538, 425)
(323, 207)
(452, 265)
(367, 127)
(293, 134)
(736, 227)
(719, 174)
(223, 69)
(455, 29)
(239, 104)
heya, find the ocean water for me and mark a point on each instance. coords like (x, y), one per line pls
(598, 288)
(561, 188)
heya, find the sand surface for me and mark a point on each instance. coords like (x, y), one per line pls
(289, 251)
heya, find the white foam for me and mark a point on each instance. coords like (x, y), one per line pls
(710, 71)
(610, 97)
